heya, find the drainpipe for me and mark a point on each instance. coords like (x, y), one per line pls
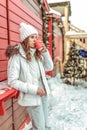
(8, 30)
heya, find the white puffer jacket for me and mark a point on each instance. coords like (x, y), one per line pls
(20, 78)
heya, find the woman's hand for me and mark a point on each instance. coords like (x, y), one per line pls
(44, 49)
(41, 92)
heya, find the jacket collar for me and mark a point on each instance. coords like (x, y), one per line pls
(21, 51)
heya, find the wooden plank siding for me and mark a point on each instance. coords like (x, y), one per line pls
(34, 6)
(17, 12)
(20, 115)
(12, 13)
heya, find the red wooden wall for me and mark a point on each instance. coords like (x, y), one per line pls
(55, 38)
(3, 39)
(12, 12)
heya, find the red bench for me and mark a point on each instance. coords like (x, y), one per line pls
(5, 94)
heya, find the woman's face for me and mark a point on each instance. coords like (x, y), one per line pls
(31, 40)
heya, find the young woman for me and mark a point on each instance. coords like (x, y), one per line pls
(26, 73)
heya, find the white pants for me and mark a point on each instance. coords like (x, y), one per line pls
(39, 115)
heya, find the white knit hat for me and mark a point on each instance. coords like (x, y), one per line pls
(26, 30)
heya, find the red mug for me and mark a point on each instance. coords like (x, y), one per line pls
(38, 44)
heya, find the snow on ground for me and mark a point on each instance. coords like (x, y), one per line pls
(68, 106)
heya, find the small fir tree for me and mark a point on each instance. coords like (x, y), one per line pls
(74, 67)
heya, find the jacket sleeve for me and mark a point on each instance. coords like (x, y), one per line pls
(47, 61)
(13, 77)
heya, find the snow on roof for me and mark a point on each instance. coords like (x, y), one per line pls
(56, 1)
(55, 12)
(74, 33)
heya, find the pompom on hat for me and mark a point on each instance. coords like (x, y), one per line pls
(26, 30)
